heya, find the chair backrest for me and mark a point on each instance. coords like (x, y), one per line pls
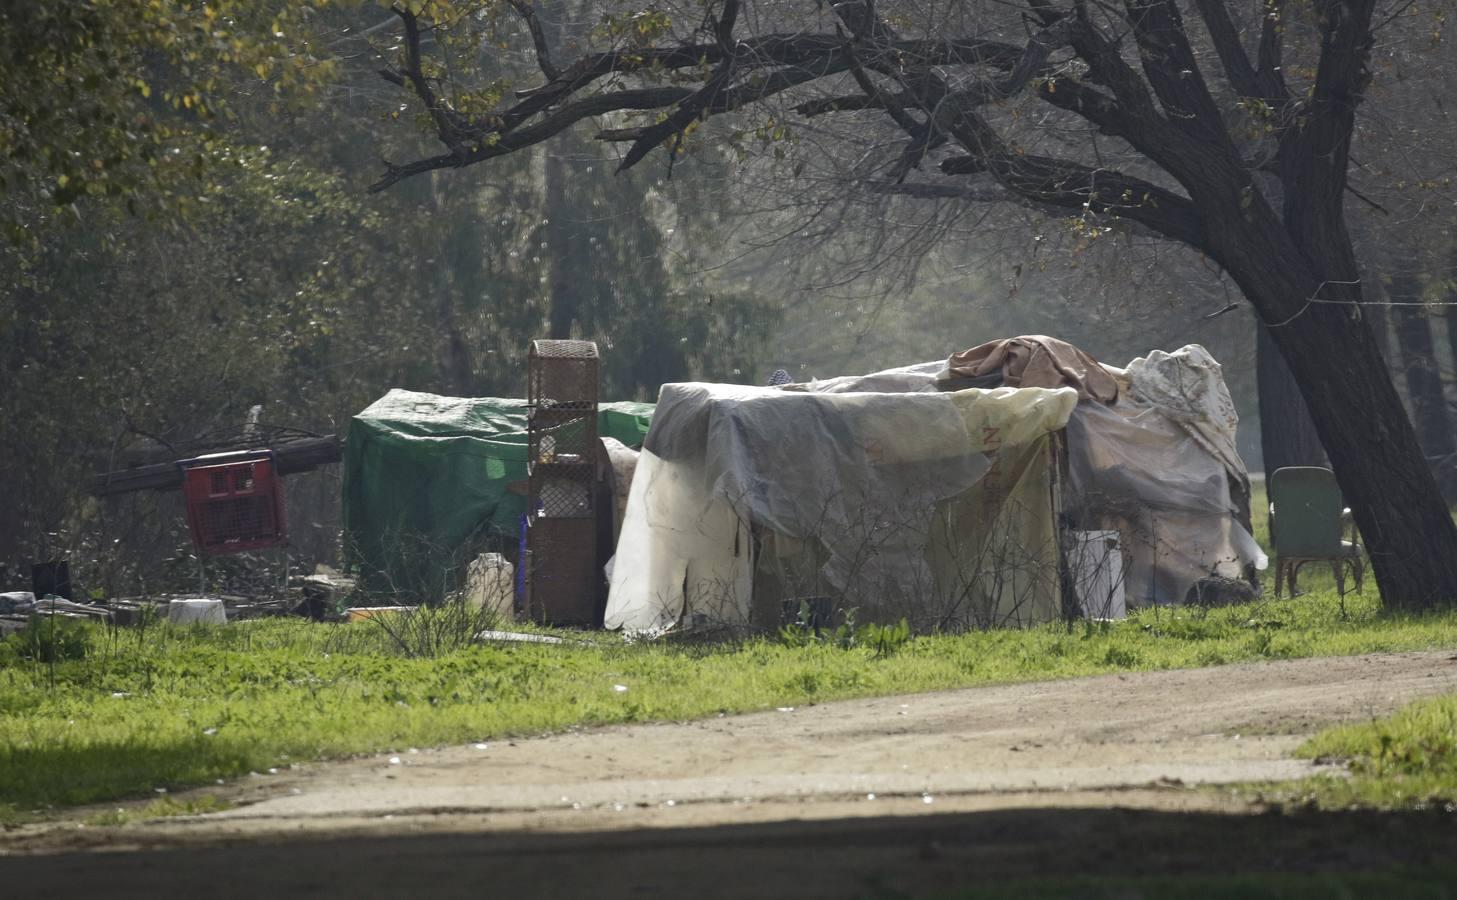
(1307, 512)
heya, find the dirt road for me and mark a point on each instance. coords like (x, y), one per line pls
(846, 783)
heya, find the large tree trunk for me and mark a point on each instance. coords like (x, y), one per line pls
(1372, 446)
(1301, 276)
(560, 250)
(1424, 381)
(1287, 432)
(1449, 315)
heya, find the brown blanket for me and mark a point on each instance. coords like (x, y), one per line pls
(1035, 360)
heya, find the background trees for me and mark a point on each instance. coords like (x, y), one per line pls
(1235, 142)
(827, 189)
(146, 303)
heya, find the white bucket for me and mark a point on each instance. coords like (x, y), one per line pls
(188, 612)
(490, 584)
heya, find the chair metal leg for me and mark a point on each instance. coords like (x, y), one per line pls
(1338, 566)
(1279, 576)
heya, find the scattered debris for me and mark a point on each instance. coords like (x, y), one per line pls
(521, 638)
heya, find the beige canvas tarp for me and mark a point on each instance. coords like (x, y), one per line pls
(915, 501)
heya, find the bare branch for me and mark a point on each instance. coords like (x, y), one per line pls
(1314, 158)
(1232, 56)
(451, 127)
(1172, 70)
(556, 123)
(923, 191)
(538, 38)
(849, 103)
(1272, 48)
(1038, 179)
(724, 29)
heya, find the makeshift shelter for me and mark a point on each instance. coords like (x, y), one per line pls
(427, 484)
(1020, 482)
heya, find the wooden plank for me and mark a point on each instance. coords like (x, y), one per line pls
(296, 456)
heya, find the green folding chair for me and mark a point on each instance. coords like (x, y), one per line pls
(1308, 521)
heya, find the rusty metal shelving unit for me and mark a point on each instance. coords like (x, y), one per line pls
(564, 470)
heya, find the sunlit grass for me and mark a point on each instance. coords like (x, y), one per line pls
(1406, 760)
(174, 707)
(163, 708)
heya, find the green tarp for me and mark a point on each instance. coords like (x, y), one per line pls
(425, 481)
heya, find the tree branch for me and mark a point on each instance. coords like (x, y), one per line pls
(1036, 178)
(538, 38)
(451, 127)
(557, 122)
(1232, 56)
(1173, 72)
(848, 103)
(923, 191)
(924, 135)
(1271, 51)
(1314, 157)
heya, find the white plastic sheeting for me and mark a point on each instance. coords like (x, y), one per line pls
(1133, 469)
(858, 473)
(898, 489)
(1187, 387)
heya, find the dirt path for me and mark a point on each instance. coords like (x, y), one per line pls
(1205, 726)
(1028, 750)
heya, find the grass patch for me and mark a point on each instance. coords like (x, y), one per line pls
(1406, 760)
(161, 808)
(124, 712)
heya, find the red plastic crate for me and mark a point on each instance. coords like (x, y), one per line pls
(234, 504)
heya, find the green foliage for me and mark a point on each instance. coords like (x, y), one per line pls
(123, 100)
(881, 640)
(1408, 759)
(48, 639)
(261, 273)
(432, 631)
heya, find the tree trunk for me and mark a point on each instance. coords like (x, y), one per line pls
(1379, 320)
(1287, 432)
(560, 250)
(1377, 459)
(562, 237)
(1424, 381)
(1449, 314)
(1310, 299)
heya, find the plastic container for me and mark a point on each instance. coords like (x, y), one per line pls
(490, 584)
(234, 504)
(197, 611)
(1096, 561)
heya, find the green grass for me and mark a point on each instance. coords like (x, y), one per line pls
(1406, 760)
(123, 713)
(175, 707)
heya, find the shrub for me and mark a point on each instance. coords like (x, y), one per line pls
(48, 639)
